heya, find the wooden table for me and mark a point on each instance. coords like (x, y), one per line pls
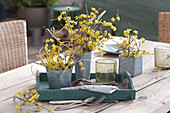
(152, 96)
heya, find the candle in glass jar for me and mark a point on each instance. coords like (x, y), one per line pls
(105, 70)
(162, 56)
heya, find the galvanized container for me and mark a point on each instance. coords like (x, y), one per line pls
(130, 64)
(59, 79)
(86, 60)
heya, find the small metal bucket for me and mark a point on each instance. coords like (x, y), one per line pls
(86, 60)
(130, 64)
(59, 79)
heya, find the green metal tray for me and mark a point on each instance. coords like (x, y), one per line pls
(56, 94)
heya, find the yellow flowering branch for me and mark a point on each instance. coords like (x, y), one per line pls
(58, 39)
(131, 44)
(86, 33)
(29, 97)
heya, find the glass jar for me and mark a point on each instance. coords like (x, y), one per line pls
(106, 70)
(162, 56)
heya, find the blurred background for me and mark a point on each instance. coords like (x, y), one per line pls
(141, 15)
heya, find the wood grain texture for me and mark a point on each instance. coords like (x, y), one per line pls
(155, 98)
(17, 80)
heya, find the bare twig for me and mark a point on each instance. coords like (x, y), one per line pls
(100, 16)
(51, 33)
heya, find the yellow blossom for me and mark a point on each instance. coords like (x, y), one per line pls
(123, 57)
(93, 9)
(142, 39)
(50, 110)
(63, 12)
(96, 21)
(158, 68)
(138, 48)
(61, 43)
(101, 54)
(96, 12)
(59, 18)
(47, 40)
(31, 100)
(140, 43)
(104, 39)
(75, 23)
(126, 53)
(118, 18)
(17, 107)
(82, 68)
(38, 108)
(124, 41)
(136, 32)
(20, 92)
(65, 53)
(90, 22)
(58, 39)
(133, 37)
(16, 95)
(104, 23)
(113, 28)
(147, 52)
(133, 45)
(109, 35)
(130, 53)
(105, 32)
(51, 40)
(39, 103)
(26, 103)
(109, 23)
(97, 33)
(85, 53)
(34, 91)
(26, 91)
(69, 8)
(93, 15)
(100, 49)
(113, 19)
(80, 63)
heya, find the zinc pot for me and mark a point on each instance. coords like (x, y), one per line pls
(86, 60)
(131, 64)
(59, 79)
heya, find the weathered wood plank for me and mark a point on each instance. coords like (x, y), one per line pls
(9, 92)
(19, 75)
(150, 100)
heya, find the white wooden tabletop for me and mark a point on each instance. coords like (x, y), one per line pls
(152, 96)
